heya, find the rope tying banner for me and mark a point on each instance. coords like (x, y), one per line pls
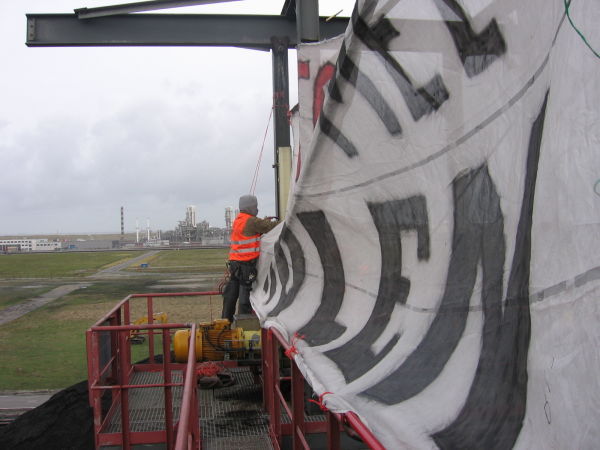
(320, 401)
(290, 352)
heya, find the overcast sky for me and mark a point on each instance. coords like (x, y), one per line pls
(84, 131)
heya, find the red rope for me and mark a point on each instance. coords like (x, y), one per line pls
(208, 369)
(256, 170)
(290, 352)
(320, 401)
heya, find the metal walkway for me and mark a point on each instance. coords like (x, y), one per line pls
(147, 405)
(232, 418)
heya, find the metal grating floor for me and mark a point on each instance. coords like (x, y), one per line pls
(232, 417)
(147, 405)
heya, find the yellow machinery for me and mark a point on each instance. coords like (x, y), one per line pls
(216, 341)
(135, 336)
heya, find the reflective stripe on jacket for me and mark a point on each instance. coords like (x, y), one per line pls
(243, 248)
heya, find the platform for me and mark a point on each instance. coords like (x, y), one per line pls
(147, 405)
(233, 417)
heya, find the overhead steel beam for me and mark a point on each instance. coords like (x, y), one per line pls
(307, 20)
(281, 99)
(153, 5)
(244, 31)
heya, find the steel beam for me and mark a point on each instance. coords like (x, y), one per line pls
(152, 5)
(243, 31)
(307, 20)
(281, 99)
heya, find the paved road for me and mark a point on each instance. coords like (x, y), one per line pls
(23, 399)
(114, 270)
(15, 311)
(14, 403)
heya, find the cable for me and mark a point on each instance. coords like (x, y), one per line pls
(256, 170)
(567, 5)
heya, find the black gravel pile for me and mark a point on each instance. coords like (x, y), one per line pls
(64, 422)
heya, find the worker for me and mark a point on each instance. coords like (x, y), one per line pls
(243, 255)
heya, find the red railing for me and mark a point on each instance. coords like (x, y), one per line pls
(111, 371)
(274, 401)
(187, 437)
(110, 374)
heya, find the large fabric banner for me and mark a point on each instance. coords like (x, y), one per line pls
(440, 261)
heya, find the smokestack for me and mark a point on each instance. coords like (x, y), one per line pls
(148, 228)
(137, 231)
(122, 225)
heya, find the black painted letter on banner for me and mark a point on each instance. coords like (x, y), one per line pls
(493, 414)
(476, 51)
(322, 328)
(478, 237)
(286, 298)
(391, 218)
(420, 101)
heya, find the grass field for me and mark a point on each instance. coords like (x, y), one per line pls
(206, 260)
(45, 349)
(54, 265)
(11, 295)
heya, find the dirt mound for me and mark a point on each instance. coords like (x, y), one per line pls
(65, 421)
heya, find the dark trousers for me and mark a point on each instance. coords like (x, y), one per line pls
(237, 287)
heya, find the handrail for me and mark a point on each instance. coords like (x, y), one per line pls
(116, 308)
(161, 294)
(146, 326)
(176, 294)
(110, 366)
(187, 400)
(362, 430)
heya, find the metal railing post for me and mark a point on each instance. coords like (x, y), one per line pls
(150, 312)
(266, 367)
(124, 381)
(298, 427)
(189, 408)
(276, 417)
(168, 393)
(333, 432)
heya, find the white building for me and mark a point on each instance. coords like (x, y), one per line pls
(32, 245)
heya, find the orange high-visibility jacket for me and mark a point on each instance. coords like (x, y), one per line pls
(243, 248)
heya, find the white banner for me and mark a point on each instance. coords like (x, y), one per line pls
(440, 260)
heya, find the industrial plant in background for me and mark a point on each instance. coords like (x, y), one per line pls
(191, 232)
(188, 233)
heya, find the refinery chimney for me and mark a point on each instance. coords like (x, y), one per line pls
(122, 225)
(137, 231)
(228, 217)
(190, 216)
